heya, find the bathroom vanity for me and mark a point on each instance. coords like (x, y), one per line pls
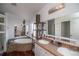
(46, 49)
(56, 48)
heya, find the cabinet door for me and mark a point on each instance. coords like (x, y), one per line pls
(39, 51)
(36, 50)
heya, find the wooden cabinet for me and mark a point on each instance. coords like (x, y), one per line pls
(39, 51)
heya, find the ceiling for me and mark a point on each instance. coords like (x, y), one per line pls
(20, 8)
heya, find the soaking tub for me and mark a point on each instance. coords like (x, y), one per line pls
(23, 41)
(21, 45)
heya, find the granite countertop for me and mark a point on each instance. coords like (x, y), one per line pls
(51, 48)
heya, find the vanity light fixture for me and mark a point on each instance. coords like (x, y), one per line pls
(61, 6)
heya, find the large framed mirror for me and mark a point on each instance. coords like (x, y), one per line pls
(65, 26)
(51, 27)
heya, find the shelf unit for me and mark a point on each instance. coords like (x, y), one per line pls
(39, 27)
(2, 32)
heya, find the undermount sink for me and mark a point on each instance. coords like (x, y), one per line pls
(67, 52)
(43, 42)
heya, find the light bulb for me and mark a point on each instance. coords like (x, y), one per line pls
(61, 6)
(57, 7)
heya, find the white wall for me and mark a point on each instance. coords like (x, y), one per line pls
(75, 29)
(69, 9)
(12, 20)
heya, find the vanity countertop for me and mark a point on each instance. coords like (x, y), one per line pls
(53, 48)
(50, 48)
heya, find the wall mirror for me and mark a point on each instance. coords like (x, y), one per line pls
(65, 26)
